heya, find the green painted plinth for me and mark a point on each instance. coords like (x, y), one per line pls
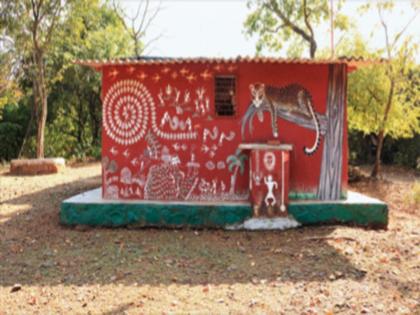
(90, 209)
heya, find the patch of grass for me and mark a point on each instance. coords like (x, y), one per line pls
(415, 192)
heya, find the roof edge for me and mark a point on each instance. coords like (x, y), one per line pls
(97, 64)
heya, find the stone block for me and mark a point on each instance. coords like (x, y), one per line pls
(36, 166)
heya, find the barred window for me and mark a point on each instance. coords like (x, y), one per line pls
(225, 95)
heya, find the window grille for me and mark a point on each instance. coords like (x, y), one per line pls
(225, 95)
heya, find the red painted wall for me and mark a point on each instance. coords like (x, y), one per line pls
(137, 171)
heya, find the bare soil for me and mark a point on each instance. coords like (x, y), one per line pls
(46, 268)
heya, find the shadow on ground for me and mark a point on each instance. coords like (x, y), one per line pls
(36, 250)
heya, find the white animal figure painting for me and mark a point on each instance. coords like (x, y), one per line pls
(111, 191)
(228, 137)
(113, 151)
(135, 162)
(125, 176)
(210, 165)
(271, 185)
(212, 134)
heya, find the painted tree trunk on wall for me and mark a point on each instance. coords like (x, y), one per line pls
(329, 187)
(305, 122)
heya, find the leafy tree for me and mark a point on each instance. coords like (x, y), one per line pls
(279, 21)
(9, 89)
(92, 31)
(381, 98)
(379, 103)
(86, 29)
(31, 25)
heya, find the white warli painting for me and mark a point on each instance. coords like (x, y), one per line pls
(167, 168)
(126, 110)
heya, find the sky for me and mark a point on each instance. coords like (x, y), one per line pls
(214, 28)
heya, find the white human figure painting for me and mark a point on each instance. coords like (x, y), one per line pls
(271, 185)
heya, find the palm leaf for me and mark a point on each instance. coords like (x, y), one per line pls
(231, 166)
(232, 159)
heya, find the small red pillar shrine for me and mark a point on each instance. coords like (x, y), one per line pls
(269, 178)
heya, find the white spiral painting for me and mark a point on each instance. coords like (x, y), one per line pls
(126, 109)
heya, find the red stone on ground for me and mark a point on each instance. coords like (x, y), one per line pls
(36, 166)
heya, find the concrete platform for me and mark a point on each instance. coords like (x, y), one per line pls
(89, 208)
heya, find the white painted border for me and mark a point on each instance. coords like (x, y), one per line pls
(94, 196)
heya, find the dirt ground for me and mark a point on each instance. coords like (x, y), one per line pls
(46, 268)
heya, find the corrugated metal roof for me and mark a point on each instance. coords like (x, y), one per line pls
(352, 62)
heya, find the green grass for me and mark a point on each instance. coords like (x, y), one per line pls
(415, 193)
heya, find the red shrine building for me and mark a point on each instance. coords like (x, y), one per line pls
(262, 131)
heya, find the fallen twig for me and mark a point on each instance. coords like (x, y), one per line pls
(326, 238)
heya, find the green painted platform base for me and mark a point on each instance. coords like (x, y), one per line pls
(90, 209)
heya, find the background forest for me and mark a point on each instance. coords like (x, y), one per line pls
(40, 84)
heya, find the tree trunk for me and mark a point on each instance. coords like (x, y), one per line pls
(80, 120)
(94, 119)
(137, 47)
(312, 48)
(377, 165)
(42, 97)
(233, 180)
(329, 187)
(31, 119)
(381, 135)
(41, 130)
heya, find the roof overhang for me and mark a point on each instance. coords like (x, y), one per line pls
(353, 63)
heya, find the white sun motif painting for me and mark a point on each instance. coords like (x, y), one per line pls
(126, 109)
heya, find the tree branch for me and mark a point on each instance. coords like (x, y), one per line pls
(137, 33)
(385, 27)
(55, 17)
(306, 19)
(35, 24)
(274, 7)
(265, 29)
(150, 20)
(303, 121)
(400, 33)
(374, 95)
(144, 16)
(151, 41)
(138, 11)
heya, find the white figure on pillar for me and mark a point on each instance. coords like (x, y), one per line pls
(271, 185)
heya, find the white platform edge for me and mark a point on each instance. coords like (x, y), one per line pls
(94, 196)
